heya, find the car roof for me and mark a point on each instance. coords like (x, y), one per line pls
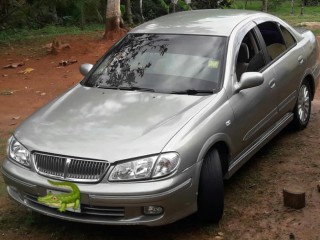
(218, 22)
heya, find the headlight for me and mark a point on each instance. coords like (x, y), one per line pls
(166, 164)
(18, 153)
(146, 168)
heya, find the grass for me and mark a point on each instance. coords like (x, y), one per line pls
(3, 145)
(9, 36)
(283, 11)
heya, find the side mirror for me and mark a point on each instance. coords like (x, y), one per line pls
(85, 68)
(249, 80)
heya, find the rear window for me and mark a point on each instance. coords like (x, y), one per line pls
(273, 38)
(165, 63)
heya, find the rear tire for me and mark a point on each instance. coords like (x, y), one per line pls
(302, 109)
(211, 189)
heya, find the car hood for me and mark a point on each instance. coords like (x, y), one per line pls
(108, 124)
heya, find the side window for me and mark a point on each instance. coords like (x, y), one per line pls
(288, 38)
(273, 39)
(250, 56)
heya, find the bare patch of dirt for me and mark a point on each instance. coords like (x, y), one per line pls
(21, 94)
(310, 25)
(253, 207)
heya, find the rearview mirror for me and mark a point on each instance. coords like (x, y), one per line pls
(85, 68)
(249, 80)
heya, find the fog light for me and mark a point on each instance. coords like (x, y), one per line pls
(152, 210)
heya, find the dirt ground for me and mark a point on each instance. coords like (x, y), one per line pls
(253, 206)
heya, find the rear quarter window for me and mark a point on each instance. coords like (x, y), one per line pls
(288, 38)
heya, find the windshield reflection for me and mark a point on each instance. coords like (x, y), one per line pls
(162, 63)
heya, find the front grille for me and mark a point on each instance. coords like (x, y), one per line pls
(68, 168)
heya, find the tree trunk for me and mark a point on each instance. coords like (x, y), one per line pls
(113, 18)
(4, 6)
(141, 11)
(265, 5)
(302, 6)
(129, 12)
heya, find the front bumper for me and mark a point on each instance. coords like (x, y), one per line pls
(110, 203)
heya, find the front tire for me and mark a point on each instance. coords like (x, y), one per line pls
(211, 189)
(302, 109)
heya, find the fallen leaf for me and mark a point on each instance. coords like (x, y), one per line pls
(6, 92)
(15, 118)
(48, 45)
(63, 63)
(13, 123)
(220, 234)
(14, 65)
(42, 94)
(27, 70)
(4, 75)
(218, 237)
(67, 62)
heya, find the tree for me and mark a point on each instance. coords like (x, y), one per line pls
(129, 12)
(141, 11)
(113, 18)
(265, 5)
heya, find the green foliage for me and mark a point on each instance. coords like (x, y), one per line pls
(274, 4)
(12, 35)
(37, 14)
(151, 9)
(311, 14)
(164, 5)
(182, 4)
(122, 9)
(205, 4)
(311, 2)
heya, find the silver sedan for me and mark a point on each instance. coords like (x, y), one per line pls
(172, 109)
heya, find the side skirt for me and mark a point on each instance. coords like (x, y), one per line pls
(244, 156)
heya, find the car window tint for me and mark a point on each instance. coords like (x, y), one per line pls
(288, 38)
(250, 56)
(273, 39)
(164, 63)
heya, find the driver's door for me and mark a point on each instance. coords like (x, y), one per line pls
(255, 109)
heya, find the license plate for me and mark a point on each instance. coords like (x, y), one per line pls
(68, 208)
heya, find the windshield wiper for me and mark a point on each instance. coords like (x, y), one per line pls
(107, 87)
(133, 88)
(192, 91)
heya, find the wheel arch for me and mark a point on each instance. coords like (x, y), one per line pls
(310, 80)
(221, 142)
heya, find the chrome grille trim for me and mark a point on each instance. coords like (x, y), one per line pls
(69, 168)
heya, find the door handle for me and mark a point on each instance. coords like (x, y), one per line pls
(300, 59)
(272, 83)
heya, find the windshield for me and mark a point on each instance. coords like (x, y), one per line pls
(163, 63)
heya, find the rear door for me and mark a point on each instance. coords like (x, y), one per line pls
(287, 58)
